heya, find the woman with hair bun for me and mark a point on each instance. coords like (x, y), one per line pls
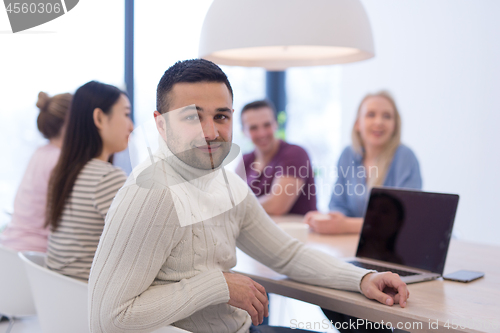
(26, 231)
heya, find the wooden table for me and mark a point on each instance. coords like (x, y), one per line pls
(433, 306)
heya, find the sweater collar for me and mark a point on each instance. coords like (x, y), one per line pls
(200, 178)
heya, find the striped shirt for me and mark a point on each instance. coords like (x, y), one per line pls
(72, 245)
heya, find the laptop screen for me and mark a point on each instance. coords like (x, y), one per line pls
(410, 228)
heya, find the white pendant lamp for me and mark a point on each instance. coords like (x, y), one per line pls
(277, 34)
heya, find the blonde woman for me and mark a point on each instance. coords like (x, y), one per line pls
(26, 231)
(375, 158)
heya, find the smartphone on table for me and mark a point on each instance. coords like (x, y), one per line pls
(463, 276)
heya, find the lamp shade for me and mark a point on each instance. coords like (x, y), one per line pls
(277, 34)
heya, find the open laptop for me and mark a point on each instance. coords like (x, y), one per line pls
(406, 232)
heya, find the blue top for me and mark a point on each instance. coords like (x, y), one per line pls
(350, 195)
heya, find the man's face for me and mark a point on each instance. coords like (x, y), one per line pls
(260, 125)
(199, 127)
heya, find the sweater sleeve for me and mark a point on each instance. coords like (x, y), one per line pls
(140, 232)
(264, 241)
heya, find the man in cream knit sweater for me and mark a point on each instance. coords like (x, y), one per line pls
(171, 233)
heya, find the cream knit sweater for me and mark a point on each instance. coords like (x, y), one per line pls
(149, 271)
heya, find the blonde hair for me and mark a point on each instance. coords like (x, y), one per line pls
(53, 112)
(383, 161)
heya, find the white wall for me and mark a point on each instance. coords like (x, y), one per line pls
(441, 60)
(57, 57)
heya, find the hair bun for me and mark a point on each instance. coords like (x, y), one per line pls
(43, 99)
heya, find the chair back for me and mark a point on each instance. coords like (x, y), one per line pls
(16, 299)
(61, 301)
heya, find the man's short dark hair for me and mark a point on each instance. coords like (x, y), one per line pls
(188, 71)
(263, 103)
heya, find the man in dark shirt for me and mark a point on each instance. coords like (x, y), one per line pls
(280, 174)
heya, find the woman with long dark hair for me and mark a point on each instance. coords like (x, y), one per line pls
(27, 230)
(84, 182)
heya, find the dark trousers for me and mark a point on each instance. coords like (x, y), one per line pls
(275, 329)
(349, 324)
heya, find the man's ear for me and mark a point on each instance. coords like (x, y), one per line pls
(161, 125)
(98, 116)
(160, 121)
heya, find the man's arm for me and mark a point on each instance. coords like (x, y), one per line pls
(284, 193)
(263, 240)
(292, 172)
(141, 230)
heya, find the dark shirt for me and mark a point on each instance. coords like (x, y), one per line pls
(290, 161)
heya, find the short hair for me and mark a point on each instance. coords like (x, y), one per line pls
(188, 71)
(263, 103)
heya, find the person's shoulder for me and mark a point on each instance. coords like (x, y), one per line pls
(115, 171)
(249, 157)
(293, 150)
(404, 159)
(405, 154)
(348, 151)
(103, 170)
(101, 165)
(43, 160)
(240, 190)
(48, 149)
(46, 152)
(149, 175)
(150, 182)
(236, 181)
(348, 155)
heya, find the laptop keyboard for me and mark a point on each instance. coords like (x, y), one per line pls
(381, 268)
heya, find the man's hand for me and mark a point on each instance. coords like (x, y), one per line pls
(246, 294)
(387, 288)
